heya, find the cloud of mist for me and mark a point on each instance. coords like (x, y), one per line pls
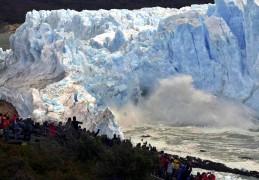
(175, 101)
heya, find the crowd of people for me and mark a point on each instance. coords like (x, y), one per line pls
(23, 128)
(169, 168)
(172, 169)
(17, 125)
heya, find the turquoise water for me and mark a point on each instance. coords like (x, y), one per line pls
(4, 41)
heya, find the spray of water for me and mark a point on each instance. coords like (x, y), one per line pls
(175, 101)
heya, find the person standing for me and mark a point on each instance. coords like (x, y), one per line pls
(75, 123)
(187, 172)
(176, 167)
(6, 128)
(17, 129)
(28, 129)
(169, 170)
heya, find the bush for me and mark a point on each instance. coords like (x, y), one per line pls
(88, 148)
(125, 161)
(89, 158)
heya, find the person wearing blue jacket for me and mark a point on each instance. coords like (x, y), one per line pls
(180, 172)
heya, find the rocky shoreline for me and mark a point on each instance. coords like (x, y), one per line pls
(210, 165)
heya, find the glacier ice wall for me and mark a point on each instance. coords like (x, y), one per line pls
(116, 56)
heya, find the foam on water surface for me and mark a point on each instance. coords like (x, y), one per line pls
(225, 146)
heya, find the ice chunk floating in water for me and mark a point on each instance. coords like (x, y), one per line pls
(117, 56)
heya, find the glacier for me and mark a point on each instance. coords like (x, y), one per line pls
(116, 56)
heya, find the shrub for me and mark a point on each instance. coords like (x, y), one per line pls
(125, 161)
(89, 158)
(88, 148)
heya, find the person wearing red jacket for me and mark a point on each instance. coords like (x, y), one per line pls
(204, 176)
(212, 177)
(52, 129)
(164, 160)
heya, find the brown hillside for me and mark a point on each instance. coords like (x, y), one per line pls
(7, 108)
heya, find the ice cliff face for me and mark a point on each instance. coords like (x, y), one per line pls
(116, 56)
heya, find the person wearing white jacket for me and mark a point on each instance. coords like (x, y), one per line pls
(169, 170)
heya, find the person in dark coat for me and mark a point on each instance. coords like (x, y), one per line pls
(75, 124)
(28, 129)
(186, 173)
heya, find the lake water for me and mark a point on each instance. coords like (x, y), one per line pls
(223, 145)
(4, 41)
